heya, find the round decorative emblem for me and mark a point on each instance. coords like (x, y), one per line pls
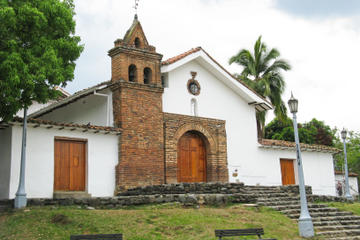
(193, 87)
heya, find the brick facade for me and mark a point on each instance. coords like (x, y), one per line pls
(144, 158)
(214, 135)
(137, 110)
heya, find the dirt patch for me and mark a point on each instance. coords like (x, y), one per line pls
(60, 219)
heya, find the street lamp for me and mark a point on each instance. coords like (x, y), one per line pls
(306, 228)
(20, 196)
(347, 191)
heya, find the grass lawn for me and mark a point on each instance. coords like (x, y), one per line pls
(167, 221)
(350, 207)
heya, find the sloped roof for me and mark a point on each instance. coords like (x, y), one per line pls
(286, 145)
(72, 98)
(180, 56)
(68, 126)
(260, 107)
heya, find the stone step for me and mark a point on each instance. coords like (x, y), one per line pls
(336, 228)
(268, 193)
(277, 199)
(339, 233)
(70, 194)
(252, 187)
(336, 222)
(297, 206)
(345, 238)
(269, 196)
(316, 210)
(320, 214)
(336, 218)
(278, 204)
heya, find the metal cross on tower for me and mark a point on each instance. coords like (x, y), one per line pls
(136, 6)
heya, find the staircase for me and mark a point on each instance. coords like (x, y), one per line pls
(329, 222)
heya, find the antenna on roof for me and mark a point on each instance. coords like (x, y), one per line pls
(136, 7)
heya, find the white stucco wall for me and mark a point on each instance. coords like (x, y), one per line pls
(5, 162)
(92, 109)
(102, 157)
(254, 165)
(265, 170)
(353, 184)
(218, 101)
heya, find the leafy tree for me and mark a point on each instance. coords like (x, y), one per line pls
(38, 50)
(352, 150)
(313, 132)
(262, 72)
(321, 132)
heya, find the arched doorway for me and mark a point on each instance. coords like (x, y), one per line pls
(191, 158)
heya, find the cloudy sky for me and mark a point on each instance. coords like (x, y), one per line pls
(320, 39)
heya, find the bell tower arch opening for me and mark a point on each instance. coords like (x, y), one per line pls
(132, 73)
(147, 75)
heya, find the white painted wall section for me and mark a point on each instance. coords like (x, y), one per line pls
(93, 109)
(5, 162)
(353, 184)
(216, 100)
(253, 164)
(102, 158)
(265, 170)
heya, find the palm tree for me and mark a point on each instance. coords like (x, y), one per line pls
(261, 72)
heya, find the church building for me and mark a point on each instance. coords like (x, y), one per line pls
(184, 119)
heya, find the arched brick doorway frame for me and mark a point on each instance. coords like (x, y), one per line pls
(210, 145)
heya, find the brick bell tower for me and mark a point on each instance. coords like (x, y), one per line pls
(137, 107)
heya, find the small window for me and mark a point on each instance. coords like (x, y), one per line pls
(137, 42)
(194, 107)
(147, 75)
(132, 73)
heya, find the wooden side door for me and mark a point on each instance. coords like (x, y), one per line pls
(70, 160)
(191, 158)
(287, 171)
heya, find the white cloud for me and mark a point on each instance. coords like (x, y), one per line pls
(323, 52)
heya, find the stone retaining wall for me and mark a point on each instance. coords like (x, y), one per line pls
(117, 202)
(183, 188)
(188, 194)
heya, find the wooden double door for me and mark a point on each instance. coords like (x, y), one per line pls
(287, 171)
(70, 163)
(191, 160)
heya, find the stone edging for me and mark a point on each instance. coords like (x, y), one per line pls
(122, 201)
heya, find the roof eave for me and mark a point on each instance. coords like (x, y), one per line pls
(68, 100)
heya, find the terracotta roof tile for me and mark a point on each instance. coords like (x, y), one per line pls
(67, 125)
(351, 174)
(180, 56)
(291, 145)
